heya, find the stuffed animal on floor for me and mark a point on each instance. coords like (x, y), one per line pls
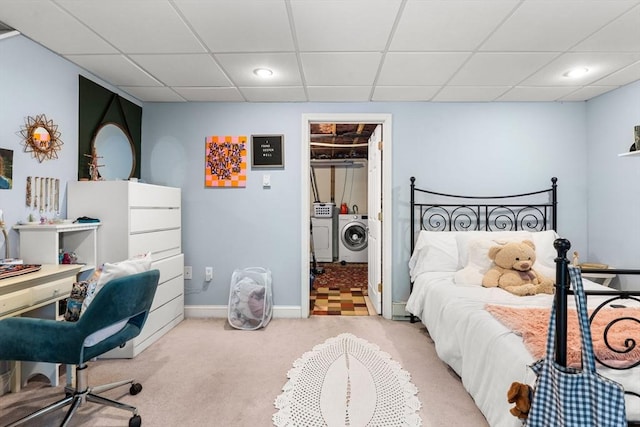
(512, 270)
(520, 394)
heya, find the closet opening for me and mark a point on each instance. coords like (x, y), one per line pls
(345, 163)
(338, 164)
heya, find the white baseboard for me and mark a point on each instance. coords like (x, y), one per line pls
(221, 311)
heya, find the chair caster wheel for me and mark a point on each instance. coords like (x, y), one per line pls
(135, 389)
(135, 421)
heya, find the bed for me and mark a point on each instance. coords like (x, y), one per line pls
(450, 236)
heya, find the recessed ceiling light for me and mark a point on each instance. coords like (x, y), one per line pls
(576, 72)
(263, 72)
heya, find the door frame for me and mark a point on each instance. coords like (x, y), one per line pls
(305, 220)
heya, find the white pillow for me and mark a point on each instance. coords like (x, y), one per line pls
(434, 251)
(111, 271)
(545, 253)
(463, 240)
(478, 262)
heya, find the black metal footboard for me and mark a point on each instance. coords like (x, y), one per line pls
(616, 299)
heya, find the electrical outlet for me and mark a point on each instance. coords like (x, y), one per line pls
(188, 272)
(208, 274)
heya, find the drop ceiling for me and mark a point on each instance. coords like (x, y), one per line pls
(342, 50)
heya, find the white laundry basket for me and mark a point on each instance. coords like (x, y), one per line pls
(250, 298)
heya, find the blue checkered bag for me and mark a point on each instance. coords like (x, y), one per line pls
(574, 397)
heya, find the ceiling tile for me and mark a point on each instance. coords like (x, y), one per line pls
(47, 24)
(240, 26)
(531, 29)
(340, 69)
(153, 94)
(469, 93)
(210, 94)
(404, 93)
(338, 25)
(448, 25)
(621, 35)
(274, 94)
(341, 50)
(137, 26)
(534, 94)
(115, 69)
(183, 70)
(587, 93)
(499, 69)
(599, 64)
(339, 93)
(624, 76)
(239, 67)
(419, 69)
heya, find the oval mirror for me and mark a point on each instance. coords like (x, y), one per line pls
(41, 138)
(115, 152)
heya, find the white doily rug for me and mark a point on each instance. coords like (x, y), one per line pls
(347, 381)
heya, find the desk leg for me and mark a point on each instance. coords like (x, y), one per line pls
(16, 378)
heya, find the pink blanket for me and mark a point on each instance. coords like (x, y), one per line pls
(532, 325)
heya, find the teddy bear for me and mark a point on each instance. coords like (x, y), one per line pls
(520, 394)
(512, 270)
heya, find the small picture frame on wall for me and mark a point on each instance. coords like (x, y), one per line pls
(267, 151)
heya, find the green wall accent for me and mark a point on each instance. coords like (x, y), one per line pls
(98, 105)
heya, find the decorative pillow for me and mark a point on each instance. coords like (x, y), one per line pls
(109, 272)
(75, 301)
(463, 240)
(434, 251)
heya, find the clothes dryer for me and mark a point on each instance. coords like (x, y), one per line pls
(325, 235)
(353, 241)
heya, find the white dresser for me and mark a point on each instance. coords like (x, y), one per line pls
(137, 218)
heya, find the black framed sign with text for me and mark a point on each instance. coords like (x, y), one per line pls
(267, 151)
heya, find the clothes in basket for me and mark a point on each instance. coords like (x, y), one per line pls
(250, 298)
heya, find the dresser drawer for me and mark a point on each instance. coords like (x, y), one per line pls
(14, 301)
(167, 291)
(149, 219)
(56, 289)
(169, 267)
(161, 244)
(141, 195)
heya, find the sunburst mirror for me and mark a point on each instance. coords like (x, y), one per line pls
(41, 138)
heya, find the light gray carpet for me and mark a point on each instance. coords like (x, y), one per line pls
(204, 373)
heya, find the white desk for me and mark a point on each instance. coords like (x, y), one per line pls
(36, 295)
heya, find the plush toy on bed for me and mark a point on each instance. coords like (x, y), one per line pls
(512, 270)
(520, 395)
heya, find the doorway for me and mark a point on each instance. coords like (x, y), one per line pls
(381, 257)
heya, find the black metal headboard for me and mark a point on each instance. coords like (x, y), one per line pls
(449, 212)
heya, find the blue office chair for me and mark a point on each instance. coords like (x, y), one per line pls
(41, 340)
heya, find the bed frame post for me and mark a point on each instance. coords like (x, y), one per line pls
(562, 288)
(413, 235)
(554, 204)
(412, 318)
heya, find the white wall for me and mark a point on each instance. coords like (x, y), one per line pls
(483, 148)
(35, 81)
(349, 186)
(614, 182)
(470, 148)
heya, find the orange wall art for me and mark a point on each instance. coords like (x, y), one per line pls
(225, 161)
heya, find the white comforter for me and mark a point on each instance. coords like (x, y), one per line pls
(485, 354)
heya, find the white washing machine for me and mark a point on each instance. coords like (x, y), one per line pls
(352, 245)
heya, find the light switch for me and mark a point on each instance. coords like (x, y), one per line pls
(266, 180)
